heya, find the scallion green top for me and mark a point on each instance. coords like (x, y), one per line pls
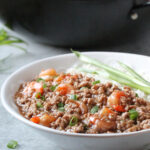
(53, 87)
(73, 97)
(44, 85)
(60, 106)
(39, 105)
(96, 82)
(94, 109)
(73, 121)
(12, 144)
(39, 79)
(133, 114)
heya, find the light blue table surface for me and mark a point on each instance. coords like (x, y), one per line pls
(10, 128)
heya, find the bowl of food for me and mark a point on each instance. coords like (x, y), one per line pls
(91, 100)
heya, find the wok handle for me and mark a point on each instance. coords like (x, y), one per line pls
(134, 12)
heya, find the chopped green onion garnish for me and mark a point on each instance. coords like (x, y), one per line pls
(133, 114)
(94, 72)
(73, 96)
(44, 85)
(53, 87)
(38, 95)
(39, 79)
(94, 109)
(137, 95)
(43, 98)
(73, 121)
(39, 105)
(12, 144)
(96, 82)
(61, 106)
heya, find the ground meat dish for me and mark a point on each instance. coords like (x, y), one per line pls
(78, 103)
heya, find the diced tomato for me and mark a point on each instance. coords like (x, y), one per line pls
(64, 89)
(119, 108)
(35, 119)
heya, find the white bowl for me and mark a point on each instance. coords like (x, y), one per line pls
(73, 141)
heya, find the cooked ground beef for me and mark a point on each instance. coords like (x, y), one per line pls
(76, 103)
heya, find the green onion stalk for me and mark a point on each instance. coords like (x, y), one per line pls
(6, 39)
(112, 73)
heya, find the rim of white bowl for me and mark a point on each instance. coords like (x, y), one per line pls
(54, 131)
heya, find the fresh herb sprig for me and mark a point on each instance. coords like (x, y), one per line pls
(7, 39)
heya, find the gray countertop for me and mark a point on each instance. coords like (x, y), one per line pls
(10, 128)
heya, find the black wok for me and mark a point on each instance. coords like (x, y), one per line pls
(73, 23)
